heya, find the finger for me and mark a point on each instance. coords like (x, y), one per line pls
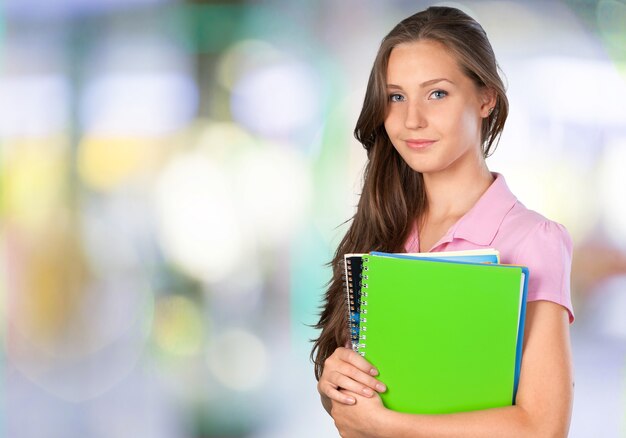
(359, 398)
(338, 396)
(349, 393)
(346, 383)
(357, 360)
(349, 370)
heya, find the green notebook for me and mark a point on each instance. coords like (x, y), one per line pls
(352, 275)
(445, 336)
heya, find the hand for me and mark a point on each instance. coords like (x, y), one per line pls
(346, 369)
(362, 420)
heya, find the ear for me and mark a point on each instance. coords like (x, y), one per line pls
(488, 100)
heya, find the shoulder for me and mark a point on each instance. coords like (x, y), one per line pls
(523, 229)
(524, 237)
(545, 247)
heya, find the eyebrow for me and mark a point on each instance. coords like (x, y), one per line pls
(423, 84)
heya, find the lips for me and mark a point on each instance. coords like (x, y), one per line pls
(420, 143)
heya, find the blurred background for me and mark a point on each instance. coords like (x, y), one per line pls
(174, 176)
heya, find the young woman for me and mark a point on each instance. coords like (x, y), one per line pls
(433, 111)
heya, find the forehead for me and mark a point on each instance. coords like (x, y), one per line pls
(422, 60)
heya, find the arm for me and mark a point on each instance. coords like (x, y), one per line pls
(543, 405)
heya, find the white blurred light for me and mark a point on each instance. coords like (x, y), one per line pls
(33, 106)
(224, 141)
(610, 187)
(239, 360)
(143, 104)
(605, 308)
(277, 100)
(556, 190)
(122, 293)
(197, 219)
(275, 189)
(582, 91)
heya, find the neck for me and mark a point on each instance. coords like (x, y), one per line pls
(452, 194)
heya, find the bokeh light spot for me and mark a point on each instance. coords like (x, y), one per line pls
(197, 218)
(275, 189)
(138, 104)
(276, 100)
(104, 163)
(239, 360)
(178, 326)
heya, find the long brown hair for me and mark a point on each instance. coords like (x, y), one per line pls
(393, 194)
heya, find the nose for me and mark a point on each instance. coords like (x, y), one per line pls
(415, 116)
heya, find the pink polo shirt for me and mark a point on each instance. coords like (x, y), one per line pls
(522, 236)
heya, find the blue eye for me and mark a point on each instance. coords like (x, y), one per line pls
(396, 98)
(439, 94)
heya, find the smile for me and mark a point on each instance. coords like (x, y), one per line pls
(419, 144)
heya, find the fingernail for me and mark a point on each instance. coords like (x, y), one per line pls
(368, 392)
(380, 387)
(374, 372)
(350, 401)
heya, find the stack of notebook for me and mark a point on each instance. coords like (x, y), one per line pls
(444, 329)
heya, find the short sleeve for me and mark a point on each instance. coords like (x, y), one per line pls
(547, 252)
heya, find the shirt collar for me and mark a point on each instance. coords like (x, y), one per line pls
(482, 222)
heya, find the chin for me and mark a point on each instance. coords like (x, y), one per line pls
(420, 166)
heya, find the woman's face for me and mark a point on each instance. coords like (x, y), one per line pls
(434, 111)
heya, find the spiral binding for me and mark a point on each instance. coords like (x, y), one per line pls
(364, 286)
(353, 266)
(344, 279)
(349, 294)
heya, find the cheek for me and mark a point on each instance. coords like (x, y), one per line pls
(394, 122)
(467, 124)
(391, 128)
